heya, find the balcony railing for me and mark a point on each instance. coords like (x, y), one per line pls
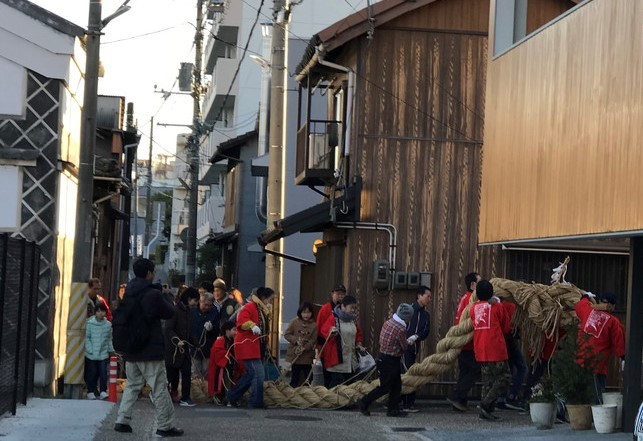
(317, 144)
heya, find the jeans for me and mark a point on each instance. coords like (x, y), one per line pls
(337, 378)
(299, 374)
(389, 370)
(409, 359)
(186, 378)
(533, 378)
(468, 374)
(599, 388)
(252, 378)
(517, 366)
(152, 373)
(96, 370)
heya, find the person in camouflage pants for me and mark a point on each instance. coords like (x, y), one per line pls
(491, 322)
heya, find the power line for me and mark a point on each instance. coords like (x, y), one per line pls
(158, 31)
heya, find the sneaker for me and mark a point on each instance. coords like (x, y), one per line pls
(91, 396)
(396, 413)
(103, 395)
(457, 405)
(363, 408)
(410, 409)
(173, 431)
(486, 414)
(516, 405)
(187, 403)
(174, 394)
(123, 428)
(232, 404)
(502, 405)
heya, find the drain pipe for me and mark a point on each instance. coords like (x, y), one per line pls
(376, 226)
(156, 236)
(320, 51)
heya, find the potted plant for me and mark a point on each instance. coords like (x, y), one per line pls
(574, 382)
(542, 404)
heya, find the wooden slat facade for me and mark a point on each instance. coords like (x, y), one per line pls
(417, 143)
(563, 128)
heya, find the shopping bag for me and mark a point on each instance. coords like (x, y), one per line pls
(366, 362)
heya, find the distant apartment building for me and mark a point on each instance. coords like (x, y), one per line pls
(237, 83)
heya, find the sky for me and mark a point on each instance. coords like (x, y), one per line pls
(134, 63)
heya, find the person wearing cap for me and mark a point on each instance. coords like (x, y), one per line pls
(600, 334)
(336, 297)
(393, 343)
(491, 322)
(468, 367)
(224, 304)
(417, 329)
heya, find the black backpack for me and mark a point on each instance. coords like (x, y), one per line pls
(130, 330)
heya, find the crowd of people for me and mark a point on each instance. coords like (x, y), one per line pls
(221, 338)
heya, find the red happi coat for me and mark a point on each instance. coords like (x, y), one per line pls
(464, 301)
(490, 324)
(600, 334)
(221, 357)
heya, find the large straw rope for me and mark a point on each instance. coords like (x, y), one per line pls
(540, 309)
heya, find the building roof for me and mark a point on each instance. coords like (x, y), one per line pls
(50, 19)
(357, 24)
(231, 146)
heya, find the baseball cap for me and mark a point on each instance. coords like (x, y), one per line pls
(339, 287)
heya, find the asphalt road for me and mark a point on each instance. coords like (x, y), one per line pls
(435, 422)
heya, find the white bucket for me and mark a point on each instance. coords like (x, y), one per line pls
(615, 398)
(604, 418)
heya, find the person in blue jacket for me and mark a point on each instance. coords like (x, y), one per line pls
(417, 330)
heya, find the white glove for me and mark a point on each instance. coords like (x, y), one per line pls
(622, 365)
(256, 330)
(208, 326)
(333, 330)
(590, 295)
(411, 339)
(494, 299)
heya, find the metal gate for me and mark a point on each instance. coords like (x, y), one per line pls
(19, 268)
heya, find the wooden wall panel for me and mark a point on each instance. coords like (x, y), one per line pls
(417, 143)
(459, 15)
(563, 128)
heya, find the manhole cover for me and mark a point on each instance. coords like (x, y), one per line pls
(408, 429)
(293, 418)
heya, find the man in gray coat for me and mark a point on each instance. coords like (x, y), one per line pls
(147, 364)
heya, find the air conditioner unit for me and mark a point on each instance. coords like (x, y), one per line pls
(319, 153)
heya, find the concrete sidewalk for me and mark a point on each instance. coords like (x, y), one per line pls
(71, 420)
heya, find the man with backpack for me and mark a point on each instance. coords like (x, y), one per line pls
(138, 336)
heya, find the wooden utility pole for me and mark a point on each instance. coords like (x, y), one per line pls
(194, 141)
(148, 204)
(275, 161)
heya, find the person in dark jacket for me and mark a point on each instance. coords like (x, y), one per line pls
(177, 355)
(204, 329)
(147, 365)
(417, 330)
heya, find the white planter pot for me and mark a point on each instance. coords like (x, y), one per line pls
(615, 398)
(604, 416)
(543, 415)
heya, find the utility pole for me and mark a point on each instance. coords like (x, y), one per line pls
(275, 161)
(82, 262)
(194, 141)
(148, 204)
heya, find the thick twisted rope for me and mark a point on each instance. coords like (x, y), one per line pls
(540, 310)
